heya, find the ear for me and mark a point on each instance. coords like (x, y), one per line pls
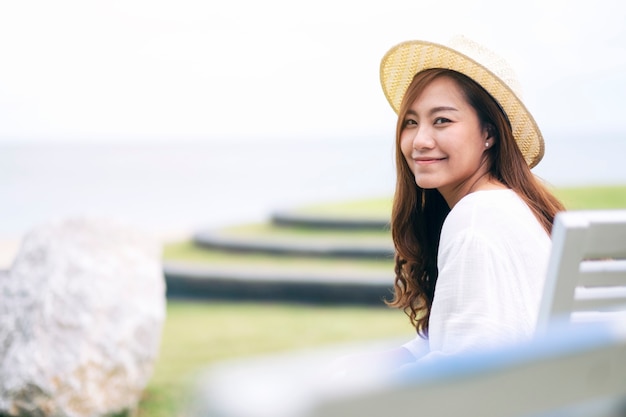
(489, 131)
(489, 135)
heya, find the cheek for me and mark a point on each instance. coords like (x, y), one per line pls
(406, 147)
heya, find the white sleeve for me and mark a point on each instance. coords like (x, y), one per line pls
(418, 347)
(476, 304)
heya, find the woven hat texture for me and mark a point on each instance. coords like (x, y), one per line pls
(403, 61)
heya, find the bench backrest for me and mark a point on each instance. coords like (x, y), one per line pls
(586, 277)
(573, 371)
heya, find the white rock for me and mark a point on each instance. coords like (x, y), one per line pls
(81, 313)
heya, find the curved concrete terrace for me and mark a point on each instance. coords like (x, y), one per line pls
(328, 248)
(210, 283)
(313, 285)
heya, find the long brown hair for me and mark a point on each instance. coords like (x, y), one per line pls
(418, 214)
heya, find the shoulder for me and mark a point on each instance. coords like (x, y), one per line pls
(491, 201)
(487, 210)
(495, 216)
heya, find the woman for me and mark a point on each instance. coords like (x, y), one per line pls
(470, 222)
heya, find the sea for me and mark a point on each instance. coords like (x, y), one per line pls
(176, 186)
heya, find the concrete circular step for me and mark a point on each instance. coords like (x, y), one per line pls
(186, 280)
(348, 248)
(288, 218)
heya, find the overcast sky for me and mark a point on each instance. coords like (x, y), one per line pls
(118, 68)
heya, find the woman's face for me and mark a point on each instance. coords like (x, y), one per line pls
(443, 141)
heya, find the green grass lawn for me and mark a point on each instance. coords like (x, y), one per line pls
(292, 232)
(371, 208)
(198, 334)
(579, 198)
(574, 198)
(187, 251)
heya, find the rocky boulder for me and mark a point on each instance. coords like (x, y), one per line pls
(81, 313)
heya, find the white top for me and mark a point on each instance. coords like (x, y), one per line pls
(492, 261)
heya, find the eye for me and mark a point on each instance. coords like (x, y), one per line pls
(409, 122)
(441, 120)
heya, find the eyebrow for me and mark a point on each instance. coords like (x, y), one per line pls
(434, 110)
(442, 108)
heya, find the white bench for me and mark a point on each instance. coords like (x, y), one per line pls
(570, 372)
(586, 277)
(566, 371)
(573, 371)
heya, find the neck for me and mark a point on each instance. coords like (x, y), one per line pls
(481, 182)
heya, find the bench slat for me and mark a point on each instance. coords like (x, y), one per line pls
(602, 273)
(600, 299)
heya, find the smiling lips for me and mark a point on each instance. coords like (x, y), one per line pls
(427, 160)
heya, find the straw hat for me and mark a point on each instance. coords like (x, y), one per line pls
(403, 61)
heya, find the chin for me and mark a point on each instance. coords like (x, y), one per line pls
(423, 182)
(425, 185)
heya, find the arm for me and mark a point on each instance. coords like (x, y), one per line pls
(479, 299)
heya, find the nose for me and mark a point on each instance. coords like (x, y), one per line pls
(423, 139)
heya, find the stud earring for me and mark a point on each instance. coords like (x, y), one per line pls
(486, 144)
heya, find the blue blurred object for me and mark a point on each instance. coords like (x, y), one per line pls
(571, 371)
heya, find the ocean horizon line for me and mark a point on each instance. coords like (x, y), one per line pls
(182, 186)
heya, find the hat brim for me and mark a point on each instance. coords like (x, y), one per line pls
(403, 61)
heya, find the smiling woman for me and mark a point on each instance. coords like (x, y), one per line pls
(470, 222)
